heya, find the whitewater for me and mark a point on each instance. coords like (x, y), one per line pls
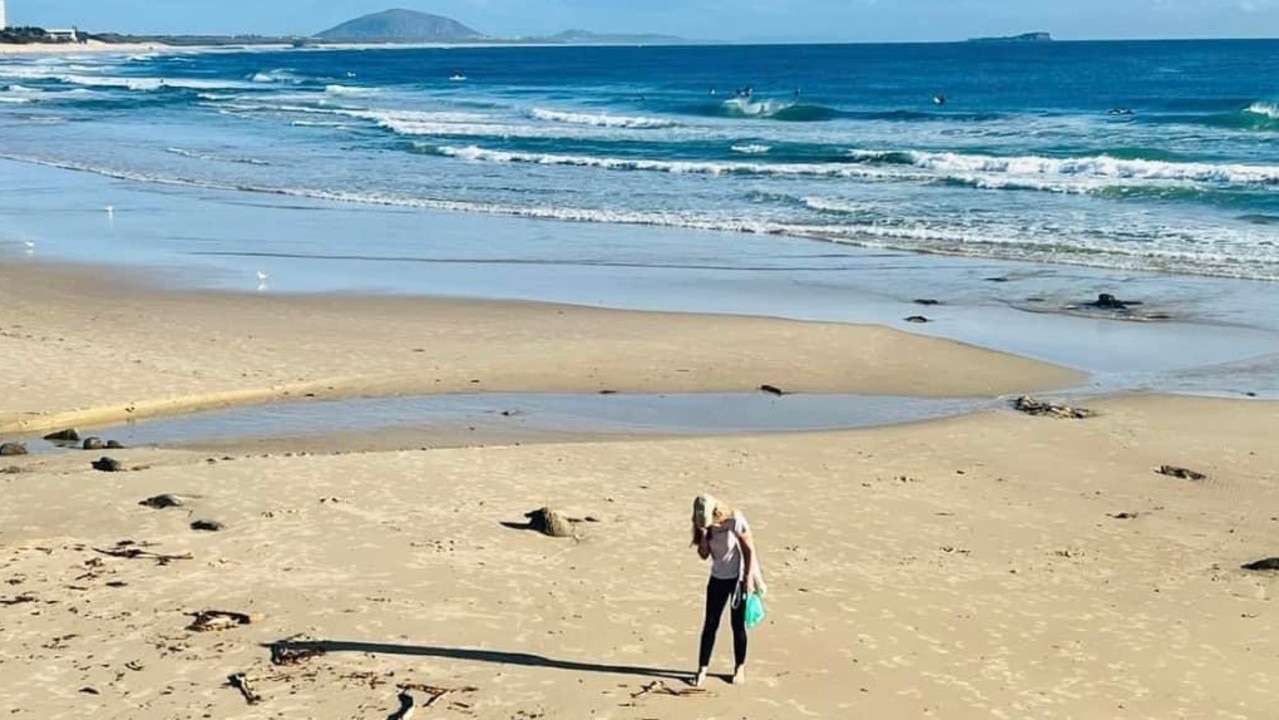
(1069, 154)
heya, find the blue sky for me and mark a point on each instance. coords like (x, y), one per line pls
(834, 20)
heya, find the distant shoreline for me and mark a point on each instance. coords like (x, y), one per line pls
(80, 48)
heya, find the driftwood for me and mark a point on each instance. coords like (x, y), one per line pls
(1038, 408)
(240, 682)
(132, 552)
(1261, 565)
(286, 655)
(1181, 473)
(659, 687)
(215, 620)
(407, 708)
(772, 390)
(19, 600)
(435, 692)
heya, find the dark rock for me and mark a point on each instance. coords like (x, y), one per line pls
(772, 390)
(928, 302)
(1267, 564)
(608, 392)
(93, 443)
(1106, 301)
(114, 445)
(998, 279)
(107, 464)
(12, 449)
(69, 435)
(1038, 408)
(1181, 473)
(160, 502)
(550, 523)
(917, 319)
(207, 526)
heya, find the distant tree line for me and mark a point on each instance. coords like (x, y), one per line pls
(30, 35)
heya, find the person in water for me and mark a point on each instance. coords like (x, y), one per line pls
(723, 536)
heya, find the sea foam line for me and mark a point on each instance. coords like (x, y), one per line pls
(938, 241)
(602, 120)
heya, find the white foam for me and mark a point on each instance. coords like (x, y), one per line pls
(748, 107)
(1265, 109)
(345, 90)
(1233, 254)
(14, 100)
(1101, 166)
(752, 149)
(276, 76)
(479, 154)
(209, 157)
(602, 119)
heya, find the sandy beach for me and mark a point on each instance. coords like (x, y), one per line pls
(995, 565)
(93, 46)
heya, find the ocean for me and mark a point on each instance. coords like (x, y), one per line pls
(1132, 156)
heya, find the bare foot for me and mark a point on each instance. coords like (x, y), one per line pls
(739, 677)
(700, 679)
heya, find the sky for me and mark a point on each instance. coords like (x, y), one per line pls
(736, 20)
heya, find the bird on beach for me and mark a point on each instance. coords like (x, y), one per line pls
(31, 247)
(111, 212)
(262, 277)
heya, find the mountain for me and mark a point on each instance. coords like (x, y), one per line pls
(401, 26)
(585, 37)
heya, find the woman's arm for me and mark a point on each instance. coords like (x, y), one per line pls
(747, 544)
(703, 543)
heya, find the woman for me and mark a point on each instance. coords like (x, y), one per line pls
(723, 535)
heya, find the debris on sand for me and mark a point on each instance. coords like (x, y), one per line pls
(434, 692)
(161, 502)
(286, 654)
(659, 687)
(1181, 473)
(772, 390)
(12, 449)
(1038, 408)
(240, 682)
(207, 526)
(217, 620)
(1261, 565)
(106, 464)
(407, 708)
(129, 550)
(549, 523)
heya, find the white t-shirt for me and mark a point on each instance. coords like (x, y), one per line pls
(726, 551)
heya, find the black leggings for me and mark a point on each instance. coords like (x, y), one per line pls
(718, 594)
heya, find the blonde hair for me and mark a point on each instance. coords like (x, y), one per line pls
(708, 511)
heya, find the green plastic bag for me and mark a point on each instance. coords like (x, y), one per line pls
(754, 610)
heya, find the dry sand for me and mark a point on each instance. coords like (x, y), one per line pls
(979, 567)
(970, 568)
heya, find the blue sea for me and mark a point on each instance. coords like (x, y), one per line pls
(1159, 156)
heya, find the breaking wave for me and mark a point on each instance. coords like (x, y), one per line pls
(601, 120)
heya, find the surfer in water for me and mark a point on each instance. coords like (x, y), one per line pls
(939, 99)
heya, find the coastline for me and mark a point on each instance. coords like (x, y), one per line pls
(7, 50)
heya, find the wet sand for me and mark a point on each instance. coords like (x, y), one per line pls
(98, 350)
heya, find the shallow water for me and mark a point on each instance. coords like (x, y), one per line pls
(1224, 338)
(512, 416)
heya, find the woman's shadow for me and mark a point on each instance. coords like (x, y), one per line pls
(467, 654)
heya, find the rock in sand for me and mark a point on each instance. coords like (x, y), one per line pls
(68, 435)
(12, 449)
(92, 443)
(550, 523)
(106, 464)
(1267, 564)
